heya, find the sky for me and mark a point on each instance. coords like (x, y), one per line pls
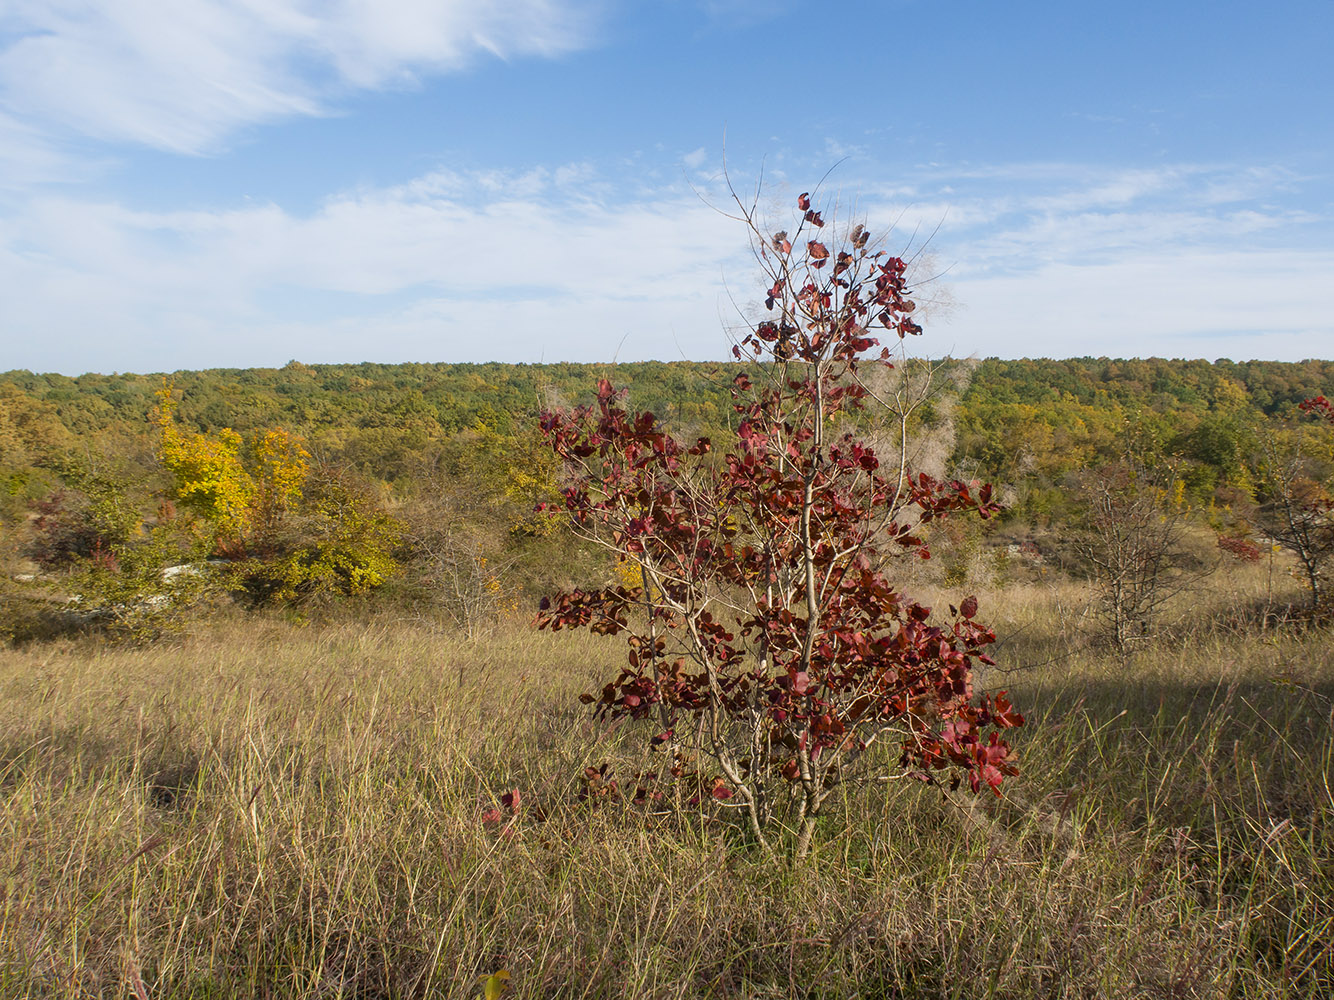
(237, 183)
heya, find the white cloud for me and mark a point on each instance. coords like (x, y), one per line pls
(1052, 259)
(28, 156)
(184, 76)
(1016, 217)
(1170, 303)
(438, 267)
(560, 263)
(695, 159)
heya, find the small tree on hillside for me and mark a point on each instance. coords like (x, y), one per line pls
(1295, 491)
(1133, 525)
(766, 640)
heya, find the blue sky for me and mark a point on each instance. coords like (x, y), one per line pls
(207, 183)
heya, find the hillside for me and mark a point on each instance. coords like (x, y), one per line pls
(443, 453)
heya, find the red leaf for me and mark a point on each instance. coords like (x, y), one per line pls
(969, 607)
(1004, 714)
(818, 251)
(804, 201)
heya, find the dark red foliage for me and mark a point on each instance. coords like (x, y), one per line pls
(65, 533)
(767, 602)
(1318, 406)
(1241, 548)
(503, 818)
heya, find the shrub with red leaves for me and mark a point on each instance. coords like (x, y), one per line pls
(766, 640)
(1242, 549)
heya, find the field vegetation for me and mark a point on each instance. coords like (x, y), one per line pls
(377, 809)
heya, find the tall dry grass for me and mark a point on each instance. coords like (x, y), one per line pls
(264, 811)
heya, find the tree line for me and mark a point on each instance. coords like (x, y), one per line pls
(438, 467)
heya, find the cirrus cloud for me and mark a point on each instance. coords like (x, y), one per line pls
(184, 76)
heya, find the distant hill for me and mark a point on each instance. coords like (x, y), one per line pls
(1011, 419)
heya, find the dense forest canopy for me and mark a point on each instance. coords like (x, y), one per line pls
(443, 464)
(375, 417)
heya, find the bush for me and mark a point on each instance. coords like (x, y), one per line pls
(766, 642)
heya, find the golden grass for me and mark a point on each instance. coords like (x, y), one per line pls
(267, 811)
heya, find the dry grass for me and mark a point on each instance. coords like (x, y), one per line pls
(264, 811)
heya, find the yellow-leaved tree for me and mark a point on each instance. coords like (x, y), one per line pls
(290, 530)
(210, 479)
(281, 471)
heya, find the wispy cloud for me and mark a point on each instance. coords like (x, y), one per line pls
(562, 262)
(1180, 260)
(29, 156)
(1018, 216)
(1055, 259)
(480, 265)
(1167, 303)
(743, 13)
(184, 76)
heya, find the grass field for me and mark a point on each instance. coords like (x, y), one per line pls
(260, 810)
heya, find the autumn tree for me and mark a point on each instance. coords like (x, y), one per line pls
(92, 517)
(766, 637)
(341, 540)
(291, 529)
(1131, 531)
(1295, 494)
(473, 531)
(30, 430)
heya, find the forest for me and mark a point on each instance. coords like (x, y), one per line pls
(414, 486)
